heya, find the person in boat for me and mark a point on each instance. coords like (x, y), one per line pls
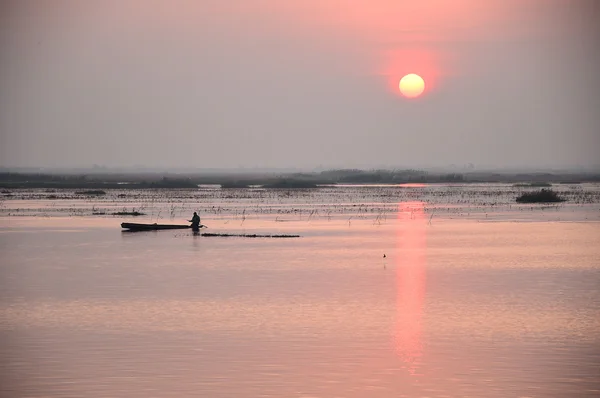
(195, 222)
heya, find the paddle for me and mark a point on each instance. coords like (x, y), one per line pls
(200, 226)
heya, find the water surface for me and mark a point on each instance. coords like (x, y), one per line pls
(499, 305)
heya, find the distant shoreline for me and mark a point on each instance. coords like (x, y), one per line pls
(157, 180)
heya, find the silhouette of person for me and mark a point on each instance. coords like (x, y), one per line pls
(195, 222)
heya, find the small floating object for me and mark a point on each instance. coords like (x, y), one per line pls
(250, 235)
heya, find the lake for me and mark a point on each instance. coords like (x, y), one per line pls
(391, 291)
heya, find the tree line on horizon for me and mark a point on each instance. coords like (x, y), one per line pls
(282, 180)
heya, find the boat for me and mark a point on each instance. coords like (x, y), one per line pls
(153, 227)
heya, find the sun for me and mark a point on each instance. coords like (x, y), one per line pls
(412, 85)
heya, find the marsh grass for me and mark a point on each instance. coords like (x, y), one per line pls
(93, 192)
(533, 184)
(543, 196)
(377, 204)
(124, 212)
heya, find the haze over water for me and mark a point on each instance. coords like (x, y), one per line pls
(469, 300)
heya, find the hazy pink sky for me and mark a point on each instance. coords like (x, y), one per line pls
(265, 83)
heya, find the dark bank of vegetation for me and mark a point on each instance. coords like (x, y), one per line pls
(154, 180)
(133, 213)
(356, 176)
(533, 184)
(93, 192)
(90, 185)
(290, 184)
(249, 235)
(543, 196)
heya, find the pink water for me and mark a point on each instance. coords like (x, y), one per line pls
(458, 307)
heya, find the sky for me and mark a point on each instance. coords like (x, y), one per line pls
(299, 83)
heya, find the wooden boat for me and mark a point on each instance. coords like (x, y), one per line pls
(134, 227)
(153, 227)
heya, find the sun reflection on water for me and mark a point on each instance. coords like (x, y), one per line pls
(411, 278)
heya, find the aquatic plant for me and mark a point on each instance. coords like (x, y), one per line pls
(91, 192)
(374, 204)
(249, 235)
(533, 184)
(124, 212)
(543, 196)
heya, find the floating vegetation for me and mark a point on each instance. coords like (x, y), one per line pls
(134, 213)
(543, 196)
(377, 204)
(249, 235)
(94, 192)
(533, 184)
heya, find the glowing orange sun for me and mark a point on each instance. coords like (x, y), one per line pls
(412, 85)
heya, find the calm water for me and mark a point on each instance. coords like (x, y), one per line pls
(485, 300)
